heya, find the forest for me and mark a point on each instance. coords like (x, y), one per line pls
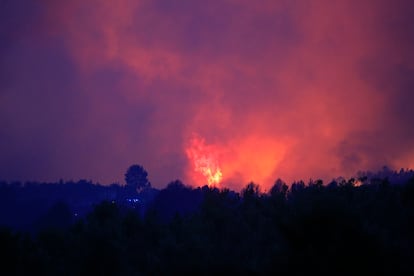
(347, 226)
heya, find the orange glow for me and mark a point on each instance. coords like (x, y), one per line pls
(290, 91)
(253, 158)
(235, 163)
(204, 160)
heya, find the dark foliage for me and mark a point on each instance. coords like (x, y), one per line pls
(346, 227)
(136, 178)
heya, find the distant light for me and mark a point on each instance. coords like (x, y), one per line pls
(135, 200)
(76, 214)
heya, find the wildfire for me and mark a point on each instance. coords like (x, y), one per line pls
(205, 160)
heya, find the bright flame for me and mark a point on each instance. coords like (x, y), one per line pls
(205, 160)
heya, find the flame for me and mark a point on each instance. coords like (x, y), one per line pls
(233, 163)
(205, 160)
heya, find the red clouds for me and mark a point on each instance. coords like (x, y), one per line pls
(291, 89)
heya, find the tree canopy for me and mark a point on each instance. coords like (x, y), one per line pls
(136, 178)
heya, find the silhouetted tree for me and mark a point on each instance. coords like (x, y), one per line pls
(252, 190)
(279, 189)
(176, 199)
(346, 226)
(136, 178)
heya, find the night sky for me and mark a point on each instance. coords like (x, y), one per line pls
(254, 89)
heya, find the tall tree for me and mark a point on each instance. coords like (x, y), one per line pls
(136, 178)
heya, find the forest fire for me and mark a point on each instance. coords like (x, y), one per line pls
(204, 160)
(233, 163)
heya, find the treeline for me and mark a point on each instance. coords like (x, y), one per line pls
(26, 206)
(32, 206)
(362, 225)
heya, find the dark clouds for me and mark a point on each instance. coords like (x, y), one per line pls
(295, 89)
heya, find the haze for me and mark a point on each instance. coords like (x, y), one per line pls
(289, 89)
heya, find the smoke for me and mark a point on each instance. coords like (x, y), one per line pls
(290, 89)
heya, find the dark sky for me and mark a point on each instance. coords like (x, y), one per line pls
(254, 89)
